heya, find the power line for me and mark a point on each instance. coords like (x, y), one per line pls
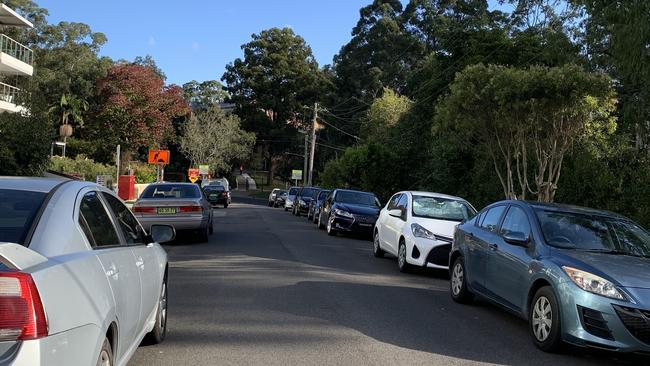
(340, 130)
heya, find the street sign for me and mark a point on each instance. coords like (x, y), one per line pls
(204, 169)
(296, 174)
(159, 157)
(193, 174)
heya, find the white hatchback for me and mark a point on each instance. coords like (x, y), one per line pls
(418, 228)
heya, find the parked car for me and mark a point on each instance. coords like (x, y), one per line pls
(280, 198)
(418, 228)
(578, 275)
(217, 195)
(217, 182)
(273, 195)
(290, 198)
(315, 205)
(302, 200)
(182, 205)
(82, 283)
(349, 211)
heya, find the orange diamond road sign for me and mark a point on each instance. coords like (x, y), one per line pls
(159, 157)
(193, 174)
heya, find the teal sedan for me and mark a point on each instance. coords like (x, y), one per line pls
(578, 275)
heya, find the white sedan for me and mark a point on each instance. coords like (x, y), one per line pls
(81, 282)
(418, 228)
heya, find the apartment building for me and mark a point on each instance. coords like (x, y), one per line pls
(16, 60)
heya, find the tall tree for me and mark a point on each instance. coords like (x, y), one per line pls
(137, 109)
(271, 85)
(528, 119)
(214, 138)
(205, 94)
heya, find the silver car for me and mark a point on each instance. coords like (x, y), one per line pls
(182, 205)
(81, 282)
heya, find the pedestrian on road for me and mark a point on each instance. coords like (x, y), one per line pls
(247, 184)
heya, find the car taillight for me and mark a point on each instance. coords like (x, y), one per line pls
(144, 210)
(22, 316)
(190, 209)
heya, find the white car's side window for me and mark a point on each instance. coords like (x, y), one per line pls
(96, 222)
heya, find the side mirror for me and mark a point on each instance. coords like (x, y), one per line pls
(162, 233)
(396, 212)
(516, 238)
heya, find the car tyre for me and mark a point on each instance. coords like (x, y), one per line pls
(330, 229)
(315, 217)
(308, 215)
(159, 331)
(211, 229)
(225, 205)
(376, 248)
(105, 354)
(320, 223)
(285, 208)
(402, 264)
(545, 321)
(458, 283)
(204, 235)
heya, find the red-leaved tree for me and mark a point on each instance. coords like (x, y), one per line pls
(137, 108)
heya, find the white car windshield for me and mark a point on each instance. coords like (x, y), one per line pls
(441, 208)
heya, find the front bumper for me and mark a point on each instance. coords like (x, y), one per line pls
(357, 224)
(591, 320)
(179, 223)
(429, 253)
(79, 346)
(288, 204)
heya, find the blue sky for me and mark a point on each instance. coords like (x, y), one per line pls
(194, 40)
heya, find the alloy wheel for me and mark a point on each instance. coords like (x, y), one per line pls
(542, 319)
(162, 319)
(104, 359)
(401, 258)
(457, 279)
(376, 242)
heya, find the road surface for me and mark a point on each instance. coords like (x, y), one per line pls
(270, 289)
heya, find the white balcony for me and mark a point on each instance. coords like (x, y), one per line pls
(8, 97)
(15, 58)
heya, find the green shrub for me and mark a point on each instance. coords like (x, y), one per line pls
(81, 166)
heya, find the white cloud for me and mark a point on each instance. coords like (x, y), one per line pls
(152, 41)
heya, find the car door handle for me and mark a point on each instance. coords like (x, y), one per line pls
(140, 263)
(112, 271)
(493, 247)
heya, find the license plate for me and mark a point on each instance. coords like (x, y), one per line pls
(213, 197)
(366, 225)
(166, 210)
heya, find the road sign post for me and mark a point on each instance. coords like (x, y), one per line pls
(193, 174)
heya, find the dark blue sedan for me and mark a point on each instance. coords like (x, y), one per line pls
(349, 211)
(577, 275)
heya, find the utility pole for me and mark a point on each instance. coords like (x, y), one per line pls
(314, 122)
(306, 160)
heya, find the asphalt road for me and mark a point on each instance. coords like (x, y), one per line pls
(270, 289)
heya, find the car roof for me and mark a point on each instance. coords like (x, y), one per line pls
(173, 184)
(353, 191)
(434, 194)
(34, 184)
(571, 209)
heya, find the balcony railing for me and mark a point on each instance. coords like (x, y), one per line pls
(17, 50)
(8, 93)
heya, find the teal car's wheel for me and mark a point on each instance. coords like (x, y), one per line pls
(458, 283)
(544, 319)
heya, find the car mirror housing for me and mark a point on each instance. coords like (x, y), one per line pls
(162, 233)
(517, 238)
(395, 212)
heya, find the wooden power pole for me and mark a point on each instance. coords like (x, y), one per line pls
(314, 124)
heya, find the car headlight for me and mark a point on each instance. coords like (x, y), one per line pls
(592, 283)
(303, 203)
(340, 212)
(421, 232)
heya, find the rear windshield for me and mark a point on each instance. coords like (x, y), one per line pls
(17, 212)
(215, 188)
(171, 191)
(357, 198)
(293, 191)
(323, 194)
